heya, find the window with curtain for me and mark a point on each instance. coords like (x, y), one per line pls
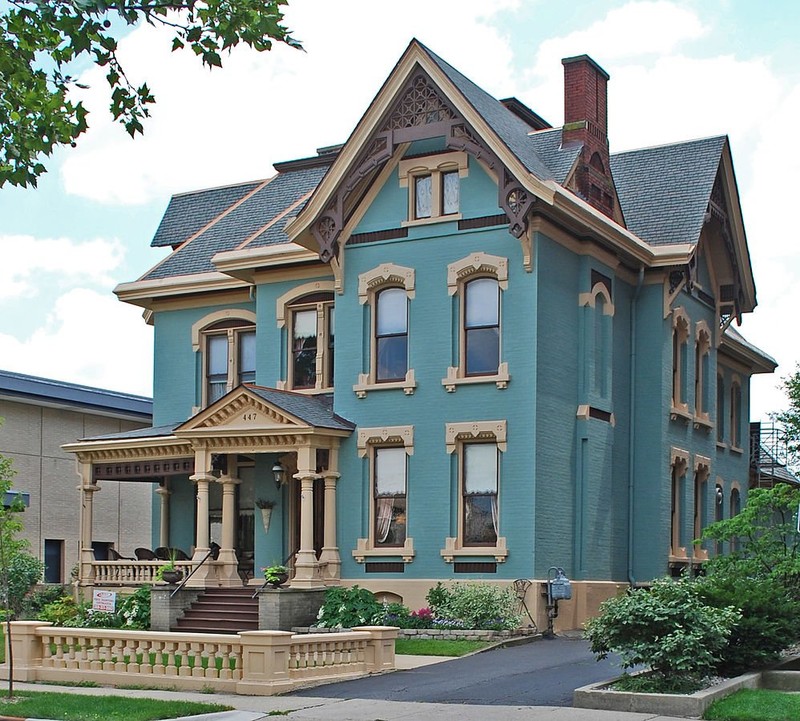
(311, 345)
(479, 488)
(391, 335)
(482, 326)
(389, 481)
(230, 358)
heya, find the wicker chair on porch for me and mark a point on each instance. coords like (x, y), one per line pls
(144, 554)
(114, 555)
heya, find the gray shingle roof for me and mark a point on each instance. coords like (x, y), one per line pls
(232, 230)
(317, 411)
(189, 212)
(664, 191)
(150, 432)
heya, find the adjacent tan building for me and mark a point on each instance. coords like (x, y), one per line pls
(39, 416)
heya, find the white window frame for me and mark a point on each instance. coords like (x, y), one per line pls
(459, 274)
(458, 435)
(370, 284)
(434, 166)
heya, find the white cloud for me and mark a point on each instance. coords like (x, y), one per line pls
(30, 263)
(211, 128)
(89, 338)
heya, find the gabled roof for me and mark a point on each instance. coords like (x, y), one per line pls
(664, 190)
(315, 410)
(735, 344)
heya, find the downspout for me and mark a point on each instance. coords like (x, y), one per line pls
(632, 424)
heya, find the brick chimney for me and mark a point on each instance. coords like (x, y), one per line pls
(586, 124)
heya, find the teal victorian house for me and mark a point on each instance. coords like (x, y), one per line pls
(463, 345)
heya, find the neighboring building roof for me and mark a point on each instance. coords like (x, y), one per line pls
(664, 190)
(317, 411)
(149, 432)
(59, 394)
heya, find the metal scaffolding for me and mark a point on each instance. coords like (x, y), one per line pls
(769, 456)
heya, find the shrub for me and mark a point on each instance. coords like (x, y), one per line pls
(348, 607)
(768, 622)
(477, 605)
(61, 612)
(132, 612)
(36, 600)
(437, 597)
(396, 614)
(24, 572)
(667, 627)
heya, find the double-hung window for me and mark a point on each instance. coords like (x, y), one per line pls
(389, 474)
(481, 327)
(311, 347)
(230, 358)
(434, 186)
(479, 489)
(391, 335)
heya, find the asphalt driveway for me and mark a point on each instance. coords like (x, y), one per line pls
(541, 673)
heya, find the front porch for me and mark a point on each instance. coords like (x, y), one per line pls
(255, 446)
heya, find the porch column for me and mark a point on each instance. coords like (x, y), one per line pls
(306, 571)
(206, 576)
(163, 526)
(228, 569)
(86, 557)
(329, 558)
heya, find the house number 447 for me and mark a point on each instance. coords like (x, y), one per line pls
(249, 416)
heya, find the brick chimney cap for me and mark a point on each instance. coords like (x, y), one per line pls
(586, 59)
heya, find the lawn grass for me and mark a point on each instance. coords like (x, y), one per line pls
(82, 707)
(755, 705)
(436, 647)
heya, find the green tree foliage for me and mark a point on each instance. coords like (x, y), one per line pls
(790, 418)
(41, 41)
(762, 539)
(667, 627)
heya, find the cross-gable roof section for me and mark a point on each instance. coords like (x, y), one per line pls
(425, 97)
(251, 409)
(669, 192)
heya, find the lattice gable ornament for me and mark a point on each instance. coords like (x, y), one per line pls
(241, 411)
(421, 111)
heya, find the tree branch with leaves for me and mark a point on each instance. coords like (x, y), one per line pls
(41, 40)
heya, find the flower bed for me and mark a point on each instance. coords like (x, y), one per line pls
(442, 634)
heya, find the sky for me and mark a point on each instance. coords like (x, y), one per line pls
(680, 69)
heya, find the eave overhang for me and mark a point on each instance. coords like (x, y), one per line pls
(144, 292)
(243, 264)
(749, 355)
(130, 449)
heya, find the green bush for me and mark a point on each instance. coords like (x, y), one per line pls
(348, 607)
(475, 605)
(36, 600)
(667, 627)
(24, 572)
(768, 622)
(132, 612)
(61, 612)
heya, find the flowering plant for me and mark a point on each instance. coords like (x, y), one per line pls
(276, 573)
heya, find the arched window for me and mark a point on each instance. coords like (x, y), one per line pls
(482, 327)
(720, 408)
(736, 414)
(391, 335)
(680, 338)
(227, 341)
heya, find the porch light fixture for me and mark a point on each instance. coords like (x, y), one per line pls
(279, 473)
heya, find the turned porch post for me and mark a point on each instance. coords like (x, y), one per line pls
(163, 518)
(329, 558)
(228, 572)
(202, 476)
(306, 571)
(87, 489)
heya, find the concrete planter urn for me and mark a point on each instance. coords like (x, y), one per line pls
(173, 576)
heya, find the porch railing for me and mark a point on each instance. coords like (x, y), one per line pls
(251, 662)
(131, 573)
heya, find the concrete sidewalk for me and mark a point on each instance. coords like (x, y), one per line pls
(256, 708)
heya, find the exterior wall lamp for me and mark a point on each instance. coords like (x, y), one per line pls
(280, 474)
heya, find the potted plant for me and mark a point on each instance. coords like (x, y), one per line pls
(276, 575)
(266, 506)
(169, 572)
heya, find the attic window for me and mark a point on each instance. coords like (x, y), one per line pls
(434, 183)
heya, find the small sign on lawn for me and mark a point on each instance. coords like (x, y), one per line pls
(104, 601)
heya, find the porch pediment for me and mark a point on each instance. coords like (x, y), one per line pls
(252, 410)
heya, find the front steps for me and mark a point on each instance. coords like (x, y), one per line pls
(220, 610)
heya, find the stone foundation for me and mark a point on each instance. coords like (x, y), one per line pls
(166, 610)
(282, 609)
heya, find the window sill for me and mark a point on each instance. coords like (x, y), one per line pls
(703, 422)
(456, 378)
(681, 412)
(700, 554)
(365, 385)
(364, 550)
(722, 446)
(284, 386)
(679, 557)
(430, 221)
(453, 549)
(736, 449)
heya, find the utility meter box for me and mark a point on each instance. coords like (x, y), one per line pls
(560, 588)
